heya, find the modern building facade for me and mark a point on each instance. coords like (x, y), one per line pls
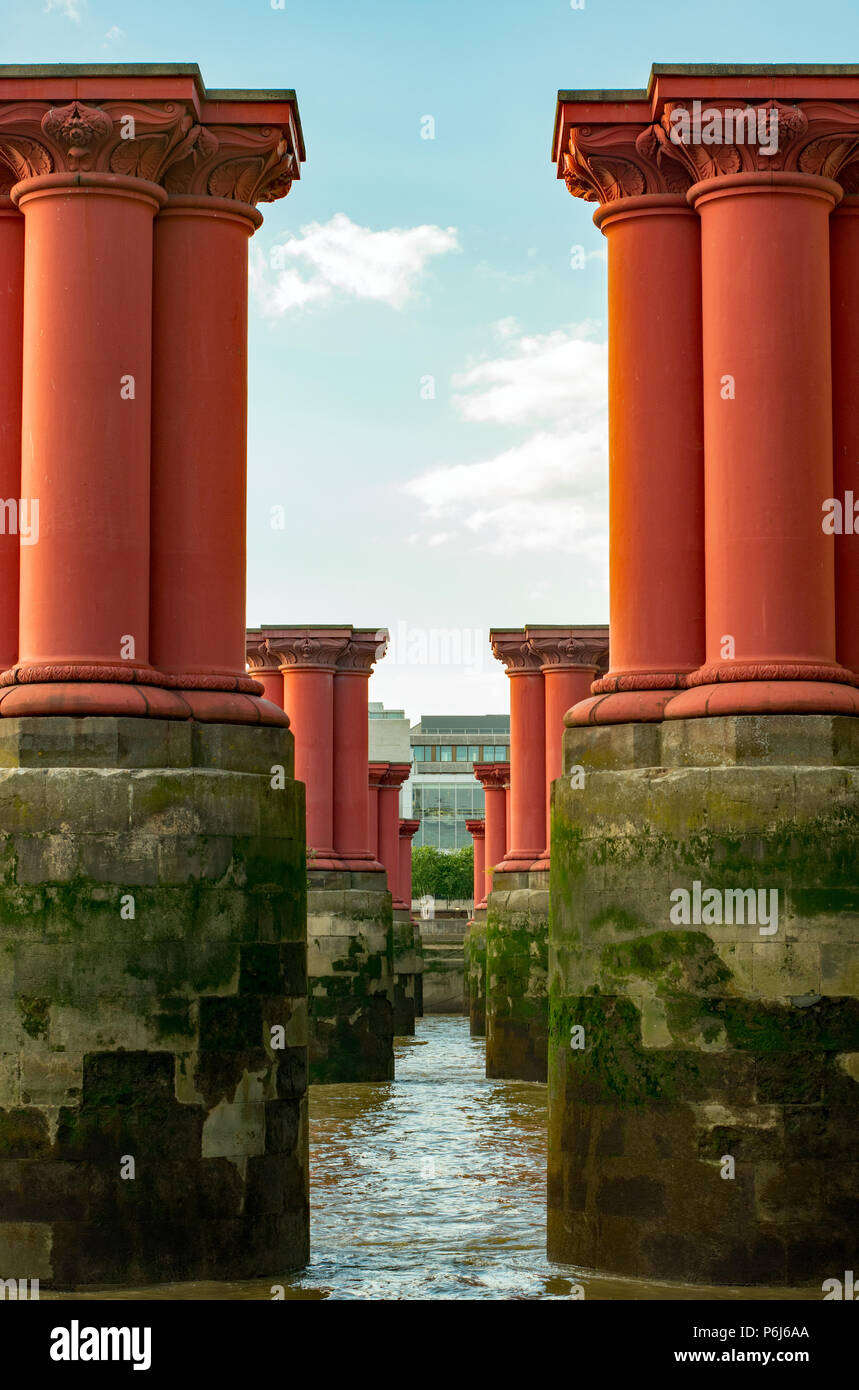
(442, 787)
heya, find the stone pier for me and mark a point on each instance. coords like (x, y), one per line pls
(550, 669)
(152, 937)
(408, 953)
(474, 946)
(704, 1055)
(325, 672)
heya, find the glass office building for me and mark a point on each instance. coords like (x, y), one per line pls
(443, 791)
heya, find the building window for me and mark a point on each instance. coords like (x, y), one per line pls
(420, 753)
(461, 753)
(446, 752)
(473, 753)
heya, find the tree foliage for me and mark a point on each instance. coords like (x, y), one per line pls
(443, 874)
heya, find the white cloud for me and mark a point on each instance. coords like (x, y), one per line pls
(113, 35)
(72, 9)
(549, 491)
(557, 375)
(340, 258)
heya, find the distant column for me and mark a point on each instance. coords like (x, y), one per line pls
(389, 828)
(307, 660)
(493, 778)
(527, 750)
(352, 837)
(375, 781)
(477, 831)
(408, 831)
(570, 659)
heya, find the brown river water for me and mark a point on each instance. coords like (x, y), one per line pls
(431, 1186)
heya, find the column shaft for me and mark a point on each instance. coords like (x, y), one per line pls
(11, 330)
(352, 838)
(768, 437)
(86, 408)
(844, 251)
(527, 770)
(199, 450)
(477, 830)
(656, 461)
(308, 699)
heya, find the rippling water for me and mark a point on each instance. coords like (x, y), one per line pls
(432, 1186)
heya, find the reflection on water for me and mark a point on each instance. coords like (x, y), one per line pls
(432, 1186)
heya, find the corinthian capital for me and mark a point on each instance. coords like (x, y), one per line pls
(252, 164)
(161, 141)
(513, 648)
(606, 163)
(572, 648)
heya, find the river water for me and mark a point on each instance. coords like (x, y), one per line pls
(432, 1186)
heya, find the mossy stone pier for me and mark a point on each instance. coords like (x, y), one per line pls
(153, 1007)
(517, 1001)
(704, 1067)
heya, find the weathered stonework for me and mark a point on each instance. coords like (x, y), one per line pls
(443, 978)
(350, 967)
(152, 900)
(705, 1041)
(517, 999)
(474, 951)
(408, 967)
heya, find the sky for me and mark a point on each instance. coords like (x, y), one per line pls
(427, 384)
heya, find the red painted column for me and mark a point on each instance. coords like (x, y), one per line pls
(84, 588)
(307, 660)
(493, 778)
(11, 361)
(389, 828)
(408, 830)
(527, 750)
(770, 567)
(844, 276)
(477, 831)
(656, 459)
(352, 837)
(570, 660)
(376, 780)
(199, 460)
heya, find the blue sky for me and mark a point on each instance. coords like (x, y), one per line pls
(479, 498)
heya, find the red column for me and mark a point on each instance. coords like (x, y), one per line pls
(770, 567)
(844, 251)
(84, 595)
(376, 779)
(389, 828)
(477, 831)
(351, 737)
(527, 750)
(570, 659)
(11, 329)
(408, 830)
(656, 460)
(307, 660)
(493, 778)
(199, 461)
